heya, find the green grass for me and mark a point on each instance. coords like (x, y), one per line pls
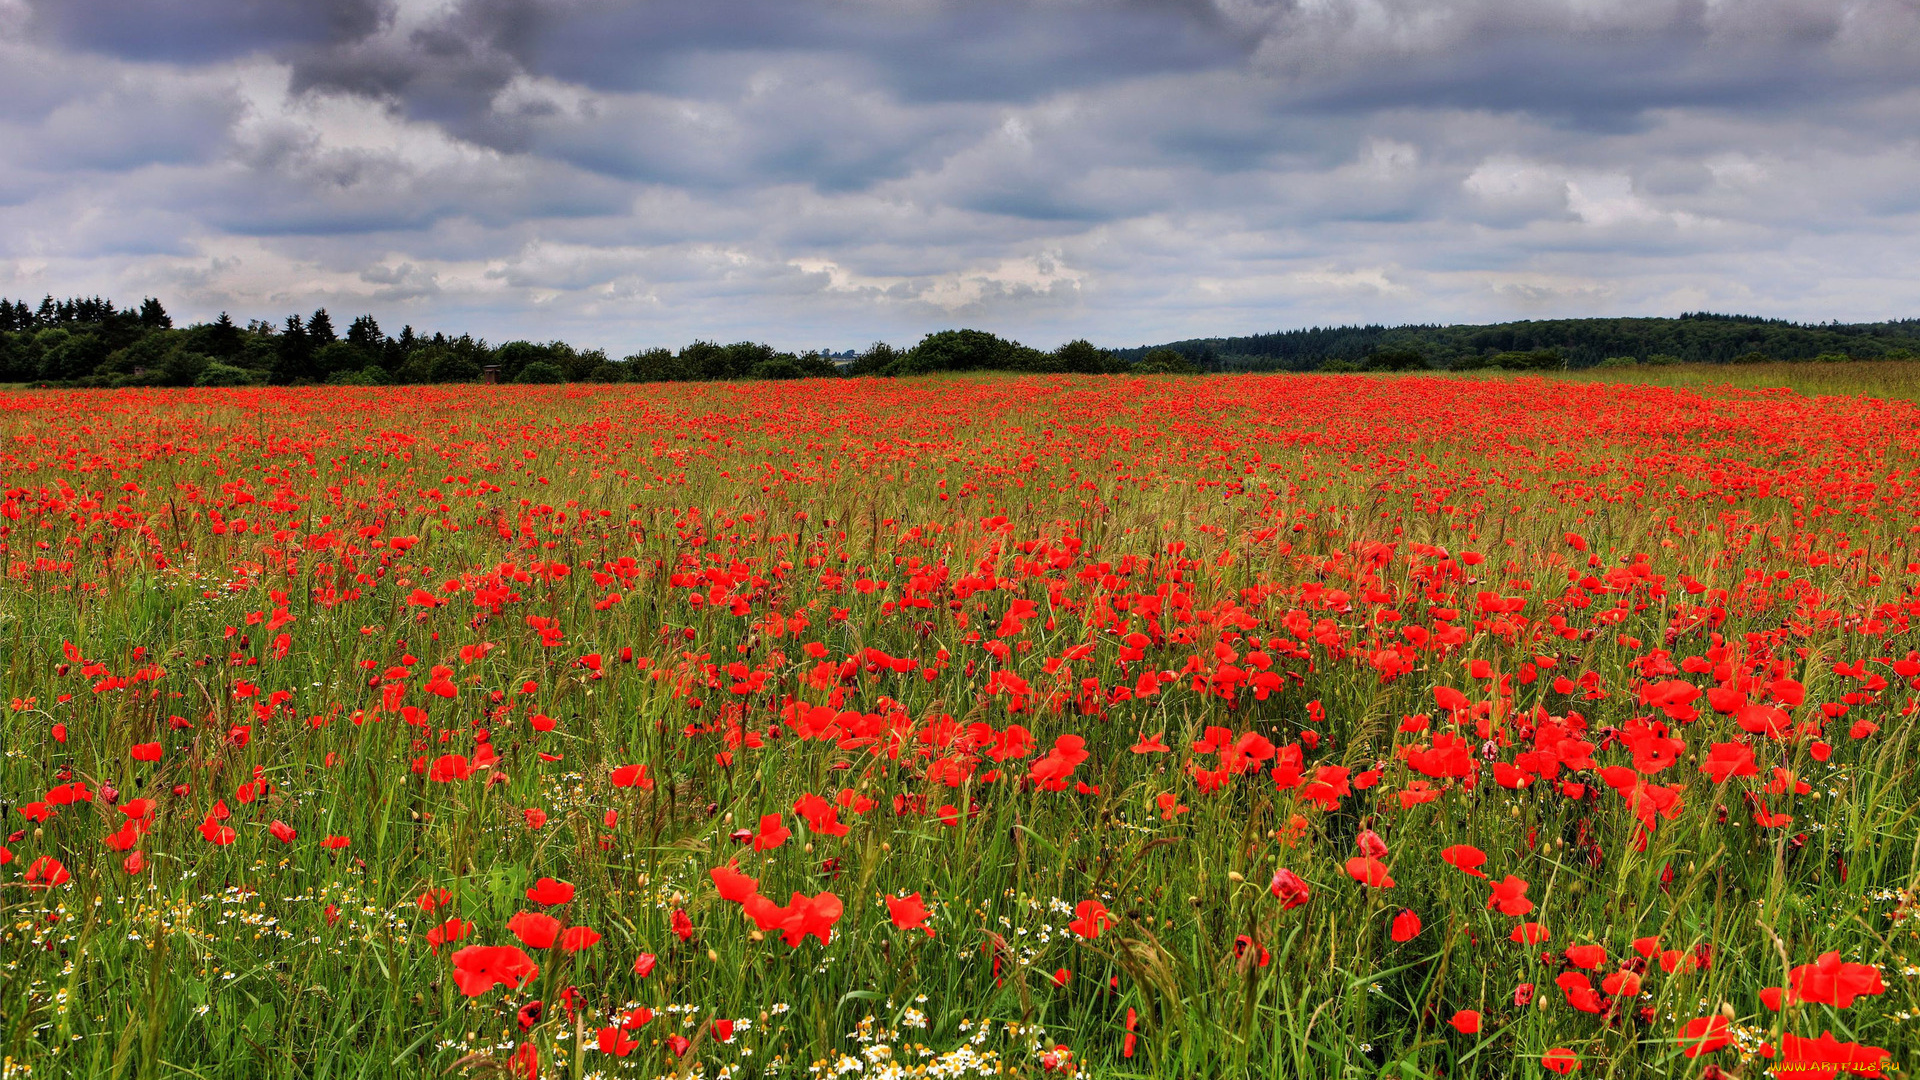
(1890, 379)
(221, 961)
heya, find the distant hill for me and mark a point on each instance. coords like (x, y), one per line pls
(1697, 338)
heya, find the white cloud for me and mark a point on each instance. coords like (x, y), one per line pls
(829, 171)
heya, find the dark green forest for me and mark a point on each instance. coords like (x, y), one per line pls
(1697, 338)
(89, 342)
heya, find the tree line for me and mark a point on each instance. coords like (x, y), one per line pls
(1693, 338)
(87, 341)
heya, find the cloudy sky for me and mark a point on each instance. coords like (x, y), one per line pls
(824, 173)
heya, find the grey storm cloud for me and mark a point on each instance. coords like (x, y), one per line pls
(828, 171)
(200, 31)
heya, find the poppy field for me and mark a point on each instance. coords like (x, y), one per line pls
(1290, 726)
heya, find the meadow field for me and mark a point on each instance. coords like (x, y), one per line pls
(1284, 726)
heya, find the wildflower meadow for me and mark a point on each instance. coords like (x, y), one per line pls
(1262, 725)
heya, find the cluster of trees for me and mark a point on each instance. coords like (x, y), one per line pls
(1694, 338)
(90, 342)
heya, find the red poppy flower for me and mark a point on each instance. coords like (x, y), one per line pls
(123, 838)
(821, 816)
(1370, 844)
(479, 968)
(215, 832)
(1621, 984)
(1466, 1022)
(67, 794)
(772, 833)
(1090, 918)
(1290, 889)
(810, 917)
(1704, 1035)
(1465, 857)
(1828, 981)
(1152, 744)
(282, 831)
(1590, 957)
(447, 933)
(576, 938)
(643, 966)
(682, 926)
(1579, 991)
(535, 930)
(908, 913)
(612, 1040)
(46, 872)
(1560, 1060)
(550, 892)
(149, 751)
(1510, 897)
(1369, 871)
(1821, 1058)
(1406, 926)
(1726, 760)
(627, 776)
(734, 886)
